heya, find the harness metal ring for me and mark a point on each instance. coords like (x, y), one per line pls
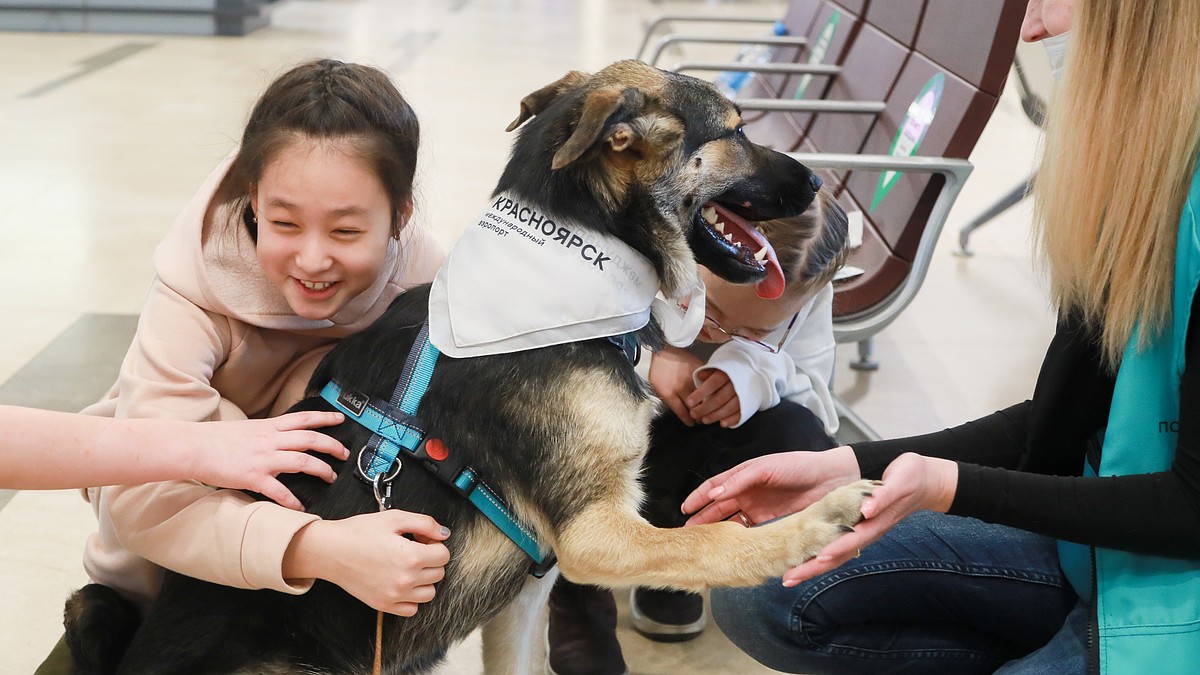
(388, 476)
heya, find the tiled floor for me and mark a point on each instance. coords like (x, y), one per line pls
(95, 161)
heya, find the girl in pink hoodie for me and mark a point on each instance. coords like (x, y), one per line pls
(297, 240)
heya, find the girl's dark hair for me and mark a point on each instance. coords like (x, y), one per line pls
(329, 100)
(810, 247)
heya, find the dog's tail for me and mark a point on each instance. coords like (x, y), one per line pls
(100, 625)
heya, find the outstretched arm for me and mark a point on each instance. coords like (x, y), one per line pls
(54, 450)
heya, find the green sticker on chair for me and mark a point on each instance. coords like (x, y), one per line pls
(912, 131)
(817, 55)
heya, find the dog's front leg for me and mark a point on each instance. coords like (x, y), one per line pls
(509, 637)
(608, 544)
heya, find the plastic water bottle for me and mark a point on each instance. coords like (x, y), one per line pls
(730, 82)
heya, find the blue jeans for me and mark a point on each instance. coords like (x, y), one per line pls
(936, 594)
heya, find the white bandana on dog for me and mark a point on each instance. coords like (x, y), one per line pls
(520, 278)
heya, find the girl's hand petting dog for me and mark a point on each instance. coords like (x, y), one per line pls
(369, 557)
(671, 371)
(250, 454)
(715, 400)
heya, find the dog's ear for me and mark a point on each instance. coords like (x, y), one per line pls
(541, 99)
(604, 110)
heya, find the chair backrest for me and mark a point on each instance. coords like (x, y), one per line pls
(869, 72)
(798, 20)
(973, 40)
(898, 18)
(938, 107)
(832, 29)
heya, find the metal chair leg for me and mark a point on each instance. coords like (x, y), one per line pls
(1006, 202)
(865, 350)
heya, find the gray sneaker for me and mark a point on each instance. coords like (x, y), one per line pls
(667, 616)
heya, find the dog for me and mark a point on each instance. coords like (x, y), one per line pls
(632, 153)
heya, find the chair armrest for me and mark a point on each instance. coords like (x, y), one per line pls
(764, 68)
(694, 18)
(955, 171)
(811, 105)
(773, 40)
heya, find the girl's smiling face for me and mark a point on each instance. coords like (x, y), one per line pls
(324, 221)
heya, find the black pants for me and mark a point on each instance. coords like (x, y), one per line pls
(680, 457)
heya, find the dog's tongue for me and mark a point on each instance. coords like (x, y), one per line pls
(772, 286)
(747, 235)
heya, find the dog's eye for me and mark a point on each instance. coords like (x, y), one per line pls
(740, 131)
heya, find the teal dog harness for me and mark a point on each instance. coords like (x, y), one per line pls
(396, 430)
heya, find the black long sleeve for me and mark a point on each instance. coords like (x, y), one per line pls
(995, 440)
(1022, 466)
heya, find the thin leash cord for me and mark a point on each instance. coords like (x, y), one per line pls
(378, 667)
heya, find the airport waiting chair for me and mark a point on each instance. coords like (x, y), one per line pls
(884, 56)
(886, 99)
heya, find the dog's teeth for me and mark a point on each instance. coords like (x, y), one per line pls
(709, 214)
(720, 226)
(728, 237)
(761, 255)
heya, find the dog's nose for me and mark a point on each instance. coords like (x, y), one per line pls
(815, 181)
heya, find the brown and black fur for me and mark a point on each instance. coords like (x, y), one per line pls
(560, 431)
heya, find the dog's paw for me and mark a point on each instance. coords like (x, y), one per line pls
(829, 518)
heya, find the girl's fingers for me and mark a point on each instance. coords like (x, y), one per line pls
(275, 491)
(677, 406)
(720, 398)
(302, 463)
(317, 441)
(405, 609)
(422, 594)
(726, 411)
(405, 522)
(308, 419)
(711, 388)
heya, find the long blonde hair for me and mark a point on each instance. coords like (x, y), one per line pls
(1121, 141)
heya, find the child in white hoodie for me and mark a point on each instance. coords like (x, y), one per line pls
(756, 380)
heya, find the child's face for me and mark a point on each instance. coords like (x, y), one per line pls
(739, 309)
(323, 226)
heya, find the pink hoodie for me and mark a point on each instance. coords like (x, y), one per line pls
(217, 341)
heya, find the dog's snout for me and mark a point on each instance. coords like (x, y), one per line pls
(815, 181)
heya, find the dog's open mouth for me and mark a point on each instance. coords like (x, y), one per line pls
(747, 247)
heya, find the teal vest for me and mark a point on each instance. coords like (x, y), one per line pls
(1147, 607)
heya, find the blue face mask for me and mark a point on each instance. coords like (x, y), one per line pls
(1056, 49)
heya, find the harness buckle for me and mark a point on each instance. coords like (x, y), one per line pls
(539, 569)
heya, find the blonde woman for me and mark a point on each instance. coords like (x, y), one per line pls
(1040, 566)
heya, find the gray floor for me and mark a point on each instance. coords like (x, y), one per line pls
(76, 369)
(73, 371)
